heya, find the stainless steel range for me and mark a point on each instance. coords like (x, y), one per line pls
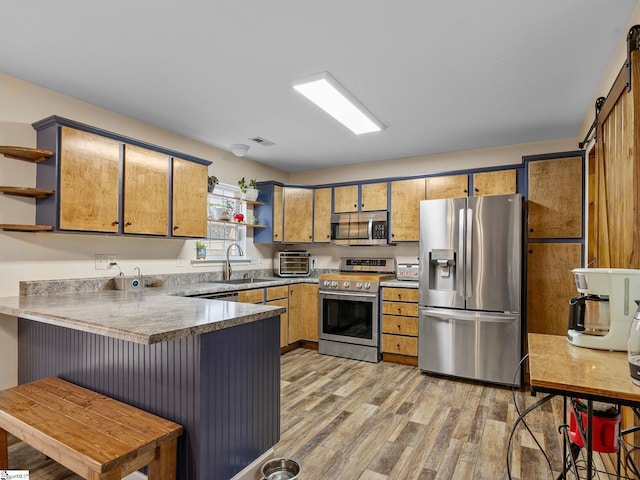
(349, 320)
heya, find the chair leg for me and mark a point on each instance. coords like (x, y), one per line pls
(4, 450)
(164, 465)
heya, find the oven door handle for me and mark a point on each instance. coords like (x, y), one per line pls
(333, 293)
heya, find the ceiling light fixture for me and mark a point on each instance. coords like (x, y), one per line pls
(326, 92)
(239, 149)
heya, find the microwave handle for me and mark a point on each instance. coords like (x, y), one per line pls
(370, 229)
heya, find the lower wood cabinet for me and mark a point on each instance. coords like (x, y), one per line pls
(303, 312)
(251, 296)
(279, 297)
(400, 325)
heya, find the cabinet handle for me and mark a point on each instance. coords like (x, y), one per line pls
(465, 190)
(400, 296)
(128, 224)
(398, 327)
(399, 309)
(476, 190)
(115, 223)
(531, 229)
(530, 251)
(355, 205)
(176, 227)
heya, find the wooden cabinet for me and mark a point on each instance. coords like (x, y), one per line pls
(298, 215)
(322, 215)
(303, 312)
(449, 186)
(555, 198)
(112, 184)
(345, 199)
(255, 295)
(367, 197)
(400, 325)
(270, 211)
(405, 209)
(550, 285)
(279, 296)
(553, 243)
(499, 182)
(189, 199)
(146, 191)
(89, 182)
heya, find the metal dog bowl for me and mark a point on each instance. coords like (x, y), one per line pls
(280, 469)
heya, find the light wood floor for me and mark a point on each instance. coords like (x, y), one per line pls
(349, 420)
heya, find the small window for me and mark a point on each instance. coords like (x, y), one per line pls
(223, 230)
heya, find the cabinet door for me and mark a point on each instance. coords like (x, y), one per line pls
(89, 182)
(298, 215)
(251, 296)
(278, 213)
(307, 296)
(500, 182)
(322, 215)
(345, 199)
(550, 285)
(295, 313)
(146, 191)
(374, 197)
(189, 199)
(450, 186)
(405, 209)
(555, 198)
(400, 345)
(284, 320)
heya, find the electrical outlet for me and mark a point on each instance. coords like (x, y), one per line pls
(101, 261)
(179, 262)
(111, 260)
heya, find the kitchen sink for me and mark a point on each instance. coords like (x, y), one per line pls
(243, 281)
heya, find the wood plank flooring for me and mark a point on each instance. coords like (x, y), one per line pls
(349, 420)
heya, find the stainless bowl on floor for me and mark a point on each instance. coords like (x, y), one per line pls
(280, 469)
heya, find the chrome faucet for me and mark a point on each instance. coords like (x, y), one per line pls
(227, 267)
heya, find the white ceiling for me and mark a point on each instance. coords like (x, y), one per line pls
(442, 76)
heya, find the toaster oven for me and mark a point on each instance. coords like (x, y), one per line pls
(292, 263)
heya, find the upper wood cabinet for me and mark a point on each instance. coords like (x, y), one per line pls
(555, 198)
(345, 199)
(189, 199)
(270, 211)
(322, 215)
(89, 182)
(499, 182)
(449, 186)
(405, 209)
(107, 183)
(366, 197)
(146, 191)
(298, 215)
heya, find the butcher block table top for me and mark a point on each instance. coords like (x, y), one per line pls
(557, 366)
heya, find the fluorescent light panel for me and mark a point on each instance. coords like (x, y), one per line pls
(325, 91)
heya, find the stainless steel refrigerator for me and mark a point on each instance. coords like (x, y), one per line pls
(470, 322)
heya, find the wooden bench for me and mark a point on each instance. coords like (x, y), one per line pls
(93, 435)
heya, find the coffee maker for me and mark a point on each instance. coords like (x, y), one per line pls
(601, 316)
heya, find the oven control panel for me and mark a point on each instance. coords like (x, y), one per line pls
(349, 285)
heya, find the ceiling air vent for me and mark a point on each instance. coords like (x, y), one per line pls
(262, 141)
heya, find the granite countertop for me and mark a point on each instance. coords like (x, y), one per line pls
(146, 316)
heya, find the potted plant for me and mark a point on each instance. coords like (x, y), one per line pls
(201, 250)
(249, 189)
(221, 210)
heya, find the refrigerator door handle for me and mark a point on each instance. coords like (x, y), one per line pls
(461, 260)
(469, 252)
(466, 315)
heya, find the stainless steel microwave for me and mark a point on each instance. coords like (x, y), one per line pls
(367, 228)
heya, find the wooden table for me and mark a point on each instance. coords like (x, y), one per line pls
(560, 368)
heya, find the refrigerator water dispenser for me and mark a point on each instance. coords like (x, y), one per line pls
(442, 271)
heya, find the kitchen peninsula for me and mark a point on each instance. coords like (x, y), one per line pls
(211, 366)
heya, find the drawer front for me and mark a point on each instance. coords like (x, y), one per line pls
(400, 308)
(277, 292)
(400, 294)
(251, 296)
(400, 345)
(407, 326)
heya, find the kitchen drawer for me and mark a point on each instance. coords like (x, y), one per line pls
(400, 294)
(251, 296)
(400, 345)
(400, 325)
(400, 308)
(277, 292)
